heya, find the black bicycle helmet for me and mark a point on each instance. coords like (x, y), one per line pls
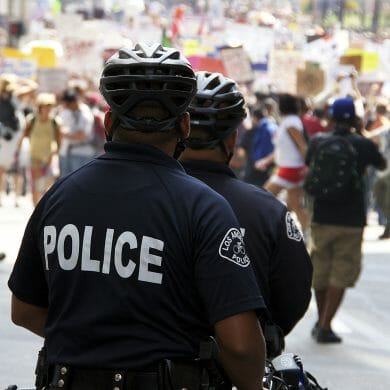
(148, 75)
(217, 108)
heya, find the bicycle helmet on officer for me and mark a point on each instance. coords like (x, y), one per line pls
(148, 89)
(216, 111)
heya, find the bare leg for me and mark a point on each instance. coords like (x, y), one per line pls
(16, 177)
(295, 203)
(334, 297)
(2, 181)
(273, 187)
(320, 300)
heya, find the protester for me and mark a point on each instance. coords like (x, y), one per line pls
(95, 102)
(312, 124)
(275, 245)
(257, 148)
(381, 187)
(128, 264)
(43, 130)
(77, 134)
(290, 152)
(11, 122)
(337, 164)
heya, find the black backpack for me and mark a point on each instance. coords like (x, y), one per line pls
(333, 174)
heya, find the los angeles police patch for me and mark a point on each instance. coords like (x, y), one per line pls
(293, 231)
(232, 248)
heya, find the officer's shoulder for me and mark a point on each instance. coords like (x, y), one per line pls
(198, 187)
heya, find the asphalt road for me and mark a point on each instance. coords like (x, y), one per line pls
(362, 361)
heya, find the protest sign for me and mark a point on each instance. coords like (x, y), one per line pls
(24, 68)
(283, 69)
(52, 80)
(310, 81)
(237, 64)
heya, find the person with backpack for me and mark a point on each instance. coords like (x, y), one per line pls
(43, 131)
(337, 162)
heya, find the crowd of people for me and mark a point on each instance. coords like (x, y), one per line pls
(272, 148)
(62, 133)
(98, 210)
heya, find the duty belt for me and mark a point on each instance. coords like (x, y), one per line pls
(71, 378)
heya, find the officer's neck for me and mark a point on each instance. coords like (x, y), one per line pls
(214, 155)
(166, 144)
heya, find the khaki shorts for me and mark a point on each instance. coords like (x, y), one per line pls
(336, 254)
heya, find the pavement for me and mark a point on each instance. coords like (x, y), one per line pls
(361, 361)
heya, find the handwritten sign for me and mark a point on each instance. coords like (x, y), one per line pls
(237, 64)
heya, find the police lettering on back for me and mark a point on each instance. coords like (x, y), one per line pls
(80, 248)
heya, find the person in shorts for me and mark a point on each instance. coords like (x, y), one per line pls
(290, 152)
(337, 226)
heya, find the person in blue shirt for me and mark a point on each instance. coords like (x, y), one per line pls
(257, 147)
(128, 261)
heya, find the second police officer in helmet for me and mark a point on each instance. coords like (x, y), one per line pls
(128, 261)
(274, 243)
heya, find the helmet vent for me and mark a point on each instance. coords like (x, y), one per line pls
(145, 85)
(226, 88)
(114, 86)
(213, 84)
(179, 87)
(114, 71)
(123, 55)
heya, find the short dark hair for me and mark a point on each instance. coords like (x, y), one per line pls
(69, 96)
(288, 104)
(259, 112)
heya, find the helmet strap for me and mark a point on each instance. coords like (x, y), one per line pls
(225, 150)
(180, 146)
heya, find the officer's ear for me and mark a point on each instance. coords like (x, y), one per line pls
(185, 126)
(108, 120)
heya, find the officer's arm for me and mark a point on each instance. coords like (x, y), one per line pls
(290, 295)
(28, 316)
(242, 350)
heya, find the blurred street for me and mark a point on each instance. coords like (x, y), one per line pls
(362, 361)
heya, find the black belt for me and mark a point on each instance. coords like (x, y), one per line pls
(71, 378)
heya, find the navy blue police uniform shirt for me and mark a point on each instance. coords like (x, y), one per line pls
(135, 260)
(275, 246)
(352, 212)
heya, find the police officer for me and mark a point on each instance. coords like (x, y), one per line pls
(275, 245)
(128, 261)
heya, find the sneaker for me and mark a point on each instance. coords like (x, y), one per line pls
(327, 336)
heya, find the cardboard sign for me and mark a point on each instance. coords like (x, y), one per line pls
(237, 64)
(283, 69)
(363, 61)
(52, 80)
(310, 81)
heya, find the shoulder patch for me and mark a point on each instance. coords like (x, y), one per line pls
(293, 232)
(232, 248)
